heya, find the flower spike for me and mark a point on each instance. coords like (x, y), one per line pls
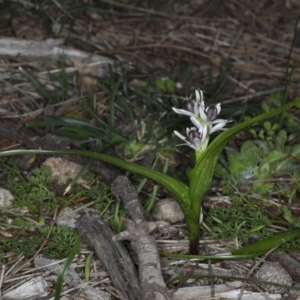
(196, 138)
(204, 119)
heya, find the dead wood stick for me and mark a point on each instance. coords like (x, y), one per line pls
(113, 256)
(49, 48)
(152, 283)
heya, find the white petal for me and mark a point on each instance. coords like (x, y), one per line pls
(196, 108)
(202, 103)
(182, 112)
(217, 127)
(198, 143)
(198, 97)
(219, 121)
(198, 125)
(187, 143)
(180, 135)
(218, 107)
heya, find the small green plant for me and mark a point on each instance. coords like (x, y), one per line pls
(61, 241)
(190, 196)
(288, 216)
(268, 130)
(258, 163)
(58, 246)
(34, 192)
(238, 223)
(27, 244)
(165, 85)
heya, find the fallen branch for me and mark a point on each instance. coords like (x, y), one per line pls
(51, 49)
(113, 256)
(152, 283)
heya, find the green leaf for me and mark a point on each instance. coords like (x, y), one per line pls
(242, 163)
(160, 84)
(37, 84)
(264, 246)
(60, 278)
(281, 138)
(268, 125)
(265, 170)
(170, 85)
(257, 228)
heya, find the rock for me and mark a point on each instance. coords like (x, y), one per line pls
(62, 170)
(67, 218)
(35, 287)
(168, 210)
(6, 198)
(273, 272)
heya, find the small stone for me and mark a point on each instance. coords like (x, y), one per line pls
(168, 210)
(6, 198)
(67, 218)
(62, 170)
(273, 272)
(34, 288)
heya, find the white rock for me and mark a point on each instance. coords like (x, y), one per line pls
(35, 287)
(168, 210)
(6, 198)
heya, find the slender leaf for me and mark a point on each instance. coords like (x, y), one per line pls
(264, 246)
(60, 279)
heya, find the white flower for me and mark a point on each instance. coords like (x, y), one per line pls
(196, 137)
(193, 106)
(209, 114)
(196, 108)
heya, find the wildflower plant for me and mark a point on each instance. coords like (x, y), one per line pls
(189, 197)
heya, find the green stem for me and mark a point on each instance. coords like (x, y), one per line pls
(194, 229)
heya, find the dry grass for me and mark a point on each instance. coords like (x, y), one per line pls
(245, 43)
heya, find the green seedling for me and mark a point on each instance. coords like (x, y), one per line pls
(165, 85)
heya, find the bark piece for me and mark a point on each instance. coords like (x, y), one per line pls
(123, 190)
(113, 256)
